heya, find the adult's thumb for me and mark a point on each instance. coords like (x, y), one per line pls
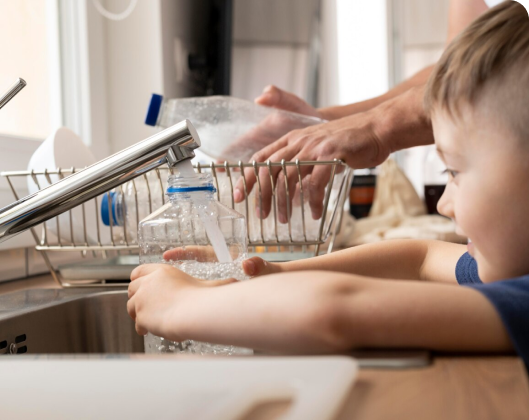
(275, 97)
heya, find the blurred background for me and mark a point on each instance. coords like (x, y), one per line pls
(92, 65)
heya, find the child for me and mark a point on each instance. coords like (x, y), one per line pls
(398, 294)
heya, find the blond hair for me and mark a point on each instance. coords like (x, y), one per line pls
(488, 61)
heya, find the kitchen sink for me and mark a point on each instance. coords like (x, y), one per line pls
(67, 321)
(88, 320)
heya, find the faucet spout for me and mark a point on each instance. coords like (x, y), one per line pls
(169, 146)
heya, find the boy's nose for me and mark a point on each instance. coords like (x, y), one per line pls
(445, 204)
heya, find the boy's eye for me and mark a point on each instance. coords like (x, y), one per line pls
(451, 173)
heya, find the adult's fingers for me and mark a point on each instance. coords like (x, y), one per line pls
(268, 178)
(287, 180)
(318, 181)
(248, 177)
(265, 190)
(275, 97)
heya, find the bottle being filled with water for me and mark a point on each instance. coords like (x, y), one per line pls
(197, 234)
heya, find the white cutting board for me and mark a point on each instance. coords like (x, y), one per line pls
(137, 387)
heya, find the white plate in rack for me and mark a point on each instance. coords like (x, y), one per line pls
(64, 149)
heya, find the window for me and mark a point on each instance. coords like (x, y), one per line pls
(29, 49)
(363, 62)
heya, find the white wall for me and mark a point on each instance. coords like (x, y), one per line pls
(363, 65)
(421, 28)
(133, 70)
(424, 29)
(329, 83)
(271, 45)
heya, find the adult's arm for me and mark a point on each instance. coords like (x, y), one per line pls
(461, 14)
(335, 112)
(275, 97)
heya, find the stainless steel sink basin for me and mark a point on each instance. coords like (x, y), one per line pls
(67, 321)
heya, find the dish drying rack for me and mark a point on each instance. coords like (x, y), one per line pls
(110, 260)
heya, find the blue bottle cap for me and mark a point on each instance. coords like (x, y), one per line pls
(104, 209)
(154, 109)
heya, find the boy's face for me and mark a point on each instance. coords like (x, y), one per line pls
(488, 192)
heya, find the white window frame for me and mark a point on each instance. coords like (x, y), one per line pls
(83, 73)
(17, 150)
(78, 94)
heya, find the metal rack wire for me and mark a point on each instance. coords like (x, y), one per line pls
(81, 229)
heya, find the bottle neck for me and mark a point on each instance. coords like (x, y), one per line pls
(191, 196)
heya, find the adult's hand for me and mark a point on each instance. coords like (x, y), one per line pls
(275, 97)
(353, 139)
(273, 126)
(361, 140)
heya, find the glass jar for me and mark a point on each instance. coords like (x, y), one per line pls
(362, 192)
(200, 236)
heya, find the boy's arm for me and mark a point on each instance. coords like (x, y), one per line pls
(394, 259)
(315, 312)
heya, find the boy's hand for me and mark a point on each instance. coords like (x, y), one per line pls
(156, 293)
(256, 266)
(252, 267)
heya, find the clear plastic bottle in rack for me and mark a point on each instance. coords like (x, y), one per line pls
(198, 235)
(230, 128)
(124, 207)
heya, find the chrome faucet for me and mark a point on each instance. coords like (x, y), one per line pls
(12, 92)
(169, 146)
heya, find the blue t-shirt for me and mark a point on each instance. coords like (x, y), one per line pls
(509, 297)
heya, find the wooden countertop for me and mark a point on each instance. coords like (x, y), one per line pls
(455, 388)
(452, 388)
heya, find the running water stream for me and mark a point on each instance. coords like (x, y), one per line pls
(225, 268)
(215, 236)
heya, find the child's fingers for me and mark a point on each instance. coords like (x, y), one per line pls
(143, 270)
(256, 266)
(133, 288)
(131, 309)
(140, 330)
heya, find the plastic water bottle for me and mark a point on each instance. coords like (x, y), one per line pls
(198, 235)
(124, 207)
(231, 129)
